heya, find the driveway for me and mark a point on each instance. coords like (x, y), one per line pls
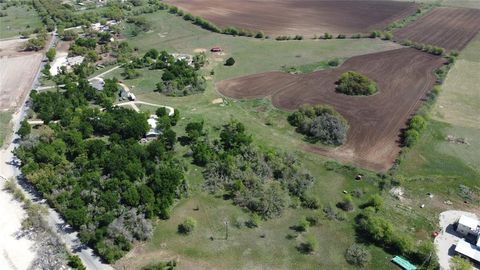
(447, 239)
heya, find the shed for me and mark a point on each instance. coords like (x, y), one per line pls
(403, 263)
(467, 225)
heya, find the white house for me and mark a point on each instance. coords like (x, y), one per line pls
(152, 122)
(468, 225)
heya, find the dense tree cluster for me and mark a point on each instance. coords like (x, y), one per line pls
(179, 78)
(90, 167)
(260, 180)
(320, 124)
(55, 14)
(355, 84)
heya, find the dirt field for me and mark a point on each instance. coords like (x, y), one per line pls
(17, 71)
(404, 76)
(302, 17)
(449, 28)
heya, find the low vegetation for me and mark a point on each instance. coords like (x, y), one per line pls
(260, 180)
(355, 84)
(320, 123)
(358, 255)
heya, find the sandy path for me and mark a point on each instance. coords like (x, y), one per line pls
(15, 253)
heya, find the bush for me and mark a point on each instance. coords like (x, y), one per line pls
(375, 201)
(171, 265)
(187, 226)
(309, 245)
(303, 225)
(334, 62)
(347, 203)
(387, 36)
(459, 263)
(230, 62)
(320, 123)
(375, 34)
(353, 83)
(341, 36)
(327, 36)
(75, 263)
(357, 255)
(255, 221)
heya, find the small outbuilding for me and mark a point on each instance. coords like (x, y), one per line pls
(403, 263)
(468, 225)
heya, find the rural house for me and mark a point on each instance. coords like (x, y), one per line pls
(469, 228)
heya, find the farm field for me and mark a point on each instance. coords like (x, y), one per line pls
(299, 17)
(375, 122)
(449, 28)
(18, 19)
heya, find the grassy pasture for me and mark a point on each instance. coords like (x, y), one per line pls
(19, 18)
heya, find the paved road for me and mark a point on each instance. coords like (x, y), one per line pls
(57, 224)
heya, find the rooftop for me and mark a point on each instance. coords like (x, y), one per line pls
(468, 250)
(469, 222)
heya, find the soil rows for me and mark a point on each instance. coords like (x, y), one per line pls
(299, 17)
(404, 77)
(449, 28)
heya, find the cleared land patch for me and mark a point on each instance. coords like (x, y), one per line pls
(404, 77)
(449, 28)
(299, 17)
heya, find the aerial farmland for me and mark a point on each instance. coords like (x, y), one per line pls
(257, 134)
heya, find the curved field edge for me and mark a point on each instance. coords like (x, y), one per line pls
(375, 121)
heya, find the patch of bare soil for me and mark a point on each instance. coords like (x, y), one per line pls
(299, 17)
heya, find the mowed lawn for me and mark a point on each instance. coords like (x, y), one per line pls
(5, 118)
(18, 19)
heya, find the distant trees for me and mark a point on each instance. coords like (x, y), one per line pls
(187, 226)
(415, 126)
(353, 83)
(320, 123)
(230, 61)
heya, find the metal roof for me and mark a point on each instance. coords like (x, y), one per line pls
(469, 222)
(468, 250)
(404, 263)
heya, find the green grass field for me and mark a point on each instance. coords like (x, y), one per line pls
(18, 19)
(5, 118)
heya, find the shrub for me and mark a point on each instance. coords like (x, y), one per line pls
(259, 35)
(334, 62)
(309, 245)
(75, 263)
(353, 83)
(171, 265)
(341, 36)
(387, 36)
(187, 226)
(357, 255)
(459, 263)
(310, 202)
(303, 225)
(255, 221)
(375, 201)
(230, 62)
(356, 36)
(320, 123)
(327, 36)
(375, 34)
(347, 203)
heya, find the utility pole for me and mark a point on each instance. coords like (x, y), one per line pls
(226, 230)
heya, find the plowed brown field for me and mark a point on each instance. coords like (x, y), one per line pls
(302, 17)
(404, 77)
(449, 28)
